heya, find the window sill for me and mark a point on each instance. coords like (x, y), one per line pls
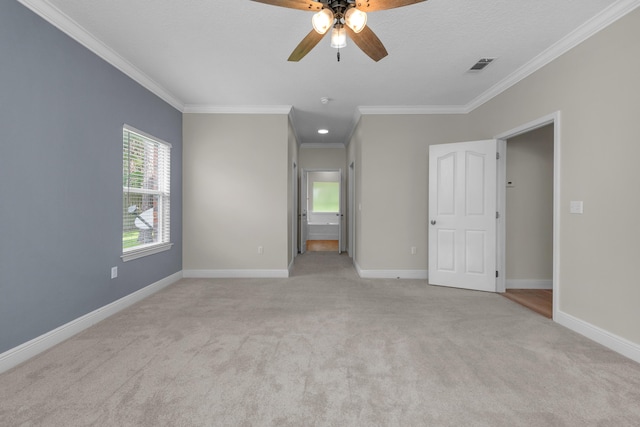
(142, 252)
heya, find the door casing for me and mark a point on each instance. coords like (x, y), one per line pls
(303, 207)
(553, 118)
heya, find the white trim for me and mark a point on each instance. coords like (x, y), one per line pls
(26, 351)
(322, 145)
(233, 274)
(607, 17)
(614, 342)
(555, 119)
(290, 269)
(528, 127)
(599, 22)
(237, 109)
(529, 284)
(64, 23)
(143, 134)
(139, 253)
(415, 109)
(501, 206)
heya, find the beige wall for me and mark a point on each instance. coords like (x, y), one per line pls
(529, 209)
(595, 86)
(391, 154)
(323, 158)
(235, 189)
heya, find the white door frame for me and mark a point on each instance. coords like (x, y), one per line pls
(294, 213)
(351, 207)
(304, 209)
(553, 118)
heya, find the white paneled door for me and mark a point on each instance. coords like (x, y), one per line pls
(462, 215)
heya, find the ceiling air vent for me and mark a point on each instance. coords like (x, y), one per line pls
(482, 62)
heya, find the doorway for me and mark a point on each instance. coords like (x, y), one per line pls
(528, 197)
(321, 211)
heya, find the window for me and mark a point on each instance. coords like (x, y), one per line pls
(145, 194)
(326, 197)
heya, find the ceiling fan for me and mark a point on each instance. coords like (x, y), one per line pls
(343, 17)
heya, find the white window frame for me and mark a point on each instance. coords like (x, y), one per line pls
(163, 193)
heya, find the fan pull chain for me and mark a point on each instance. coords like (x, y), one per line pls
(338, 55)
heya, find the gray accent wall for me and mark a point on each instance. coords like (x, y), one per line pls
(61, 114)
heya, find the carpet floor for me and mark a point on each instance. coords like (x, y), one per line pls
(323, 348)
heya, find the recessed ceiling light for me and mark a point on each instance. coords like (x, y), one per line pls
(323, 131)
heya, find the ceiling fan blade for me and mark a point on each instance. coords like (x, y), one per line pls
(305, 46)
(368, 42)
(311, 5)
(375, 5)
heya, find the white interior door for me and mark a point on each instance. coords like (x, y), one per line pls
(304, 204)
(462, 215)
(294, 213)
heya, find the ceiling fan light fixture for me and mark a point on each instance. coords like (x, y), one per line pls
(322, 21)
(355, 19)
(338, 37)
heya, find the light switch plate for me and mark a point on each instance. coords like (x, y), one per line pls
(576, 207)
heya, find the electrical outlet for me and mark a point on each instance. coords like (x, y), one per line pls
(260, 250)
(114, 272)
(413, 250)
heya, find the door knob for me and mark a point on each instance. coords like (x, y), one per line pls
(433, 222)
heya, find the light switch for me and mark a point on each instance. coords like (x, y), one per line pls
(576, 207)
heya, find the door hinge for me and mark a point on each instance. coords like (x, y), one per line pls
(497, 156)
(497, 215)
(497, 273)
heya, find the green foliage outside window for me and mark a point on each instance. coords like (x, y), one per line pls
(326, 197)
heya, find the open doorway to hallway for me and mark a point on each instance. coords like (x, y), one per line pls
(529, 219)
(321, 210)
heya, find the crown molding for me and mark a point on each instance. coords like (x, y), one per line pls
(64, 23)
(599, 22)
(415, 109)
(237, 109)
(68, 26)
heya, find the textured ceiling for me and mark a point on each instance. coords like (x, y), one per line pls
(232, 55)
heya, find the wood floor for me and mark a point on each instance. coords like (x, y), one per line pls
(538, 300)
(322, 245)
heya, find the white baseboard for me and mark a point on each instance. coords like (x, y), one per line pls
(236, 274)
(26, 351)
(618, 344)
(391, 274)
(529, 284)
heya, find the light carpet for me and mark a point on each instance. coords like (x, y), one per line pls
(323, 348)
